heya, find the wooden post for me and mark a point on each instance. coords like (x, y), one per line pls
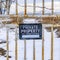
(52, 7)
(42, 43)
(25, 10)
(34, 3)
(24, 49)
(52, 43)
(43, 7)
(16, 48)
(34, 50)
(7, 45)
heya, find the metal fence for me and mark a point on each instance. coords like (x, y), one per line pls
(16, 40)
(34, 50)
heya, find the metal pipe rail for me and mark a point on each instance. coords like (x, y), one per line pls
(42, 16)
(45, 19)
(52, 25)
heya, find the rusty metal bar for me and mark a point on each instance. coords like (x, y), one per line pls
(7, 45)
(52, 7)
(16, 7)
(42, 43)
(0, 7)
(43, 7)
(34, 50)
(52, 43)
(16, 41)
(25, 8)
(34, 4)
(56, 25)
(24, 49)
(16, 45)
(7, 6)
(42, 16)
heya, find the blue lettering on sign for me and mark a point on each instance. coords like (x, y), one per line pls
(30, 31)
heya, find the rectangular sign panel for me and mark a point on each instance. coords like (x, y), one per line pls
(30, 31)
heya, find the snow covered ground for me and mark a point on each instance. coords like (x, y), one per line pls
(29, 48)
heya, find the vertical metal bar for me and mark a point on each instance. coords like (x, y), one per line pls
(34, 4)
(34, 50)
(7, 44)
(25, 8)
(24, 49)
(52, 43)
(0, 7)
(16, 7)
(16, 42)
(16, 50)
(43, 7)
(7, 6)
(52, 7)
(42, 43)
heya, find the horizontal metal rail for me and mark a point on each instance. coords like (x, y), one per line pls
(52, 25)
(42, 16)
